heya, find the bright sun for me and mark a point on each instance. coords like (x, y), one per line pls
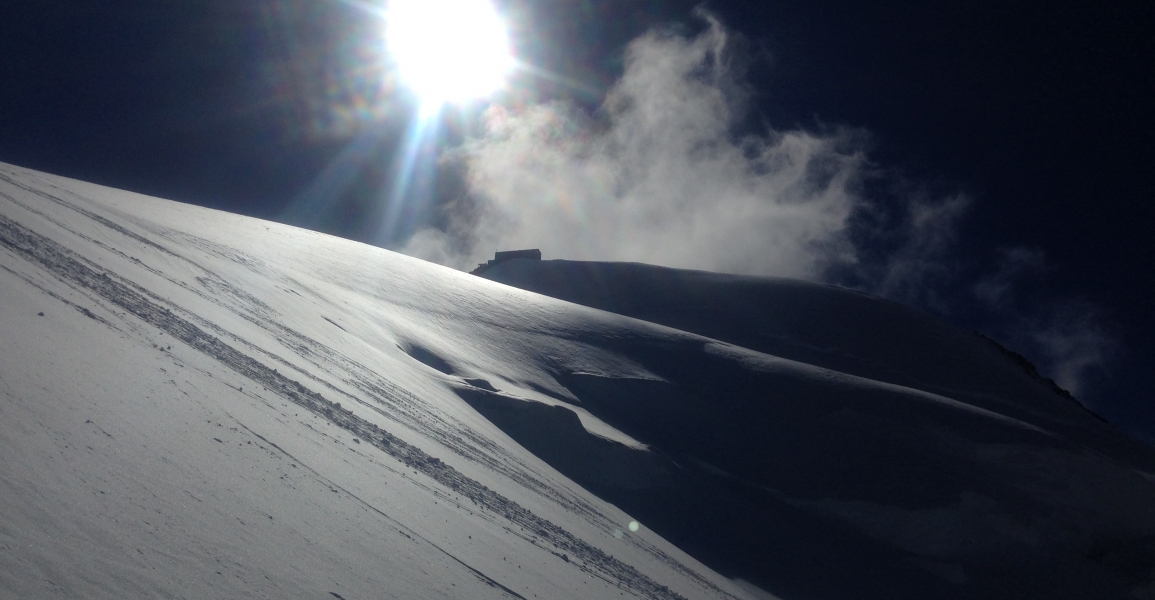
(448, 50)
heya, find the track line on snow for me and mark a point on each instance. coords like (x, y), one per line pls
(406, 409)
(66, 264)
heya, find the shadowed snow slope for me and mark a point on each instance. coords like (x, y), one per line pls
(197, 404)
(1015, 490)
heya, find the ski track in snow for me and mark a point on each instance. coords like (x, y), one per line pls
(379, 394)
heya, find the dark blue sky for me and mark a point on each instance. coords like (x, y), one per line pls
(1041, 112)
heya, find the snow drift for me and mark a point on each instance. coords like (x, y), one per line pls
(195, 404)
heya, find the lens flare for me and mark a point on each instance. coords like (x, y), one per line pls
(448, 51)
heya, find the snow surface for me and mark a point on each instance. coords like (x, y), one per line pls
(197, 404)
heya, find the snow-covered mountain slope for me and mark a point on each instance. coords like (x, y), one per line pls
(195, 404)
(831, 327)
(198, 404)
(855, 461)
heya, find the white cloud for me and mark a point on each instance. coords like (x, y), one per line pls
(914, 272)
(1069, 339)
(998, 288)
(1073, 344)
(659, 178)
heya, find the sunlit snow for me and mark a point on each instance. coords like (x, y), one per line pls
(198, 404)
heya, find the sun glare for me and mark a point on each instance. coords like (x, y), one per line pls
(448, 50)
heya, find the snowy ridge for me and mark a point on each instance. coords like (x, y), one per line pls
(198, 404)
(835, 328)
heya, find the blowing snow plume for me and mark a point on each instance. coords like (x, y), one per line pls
(656, 177)
(660, 174)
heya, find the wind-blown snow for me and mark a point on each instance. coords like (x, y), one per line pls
(195, 404)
